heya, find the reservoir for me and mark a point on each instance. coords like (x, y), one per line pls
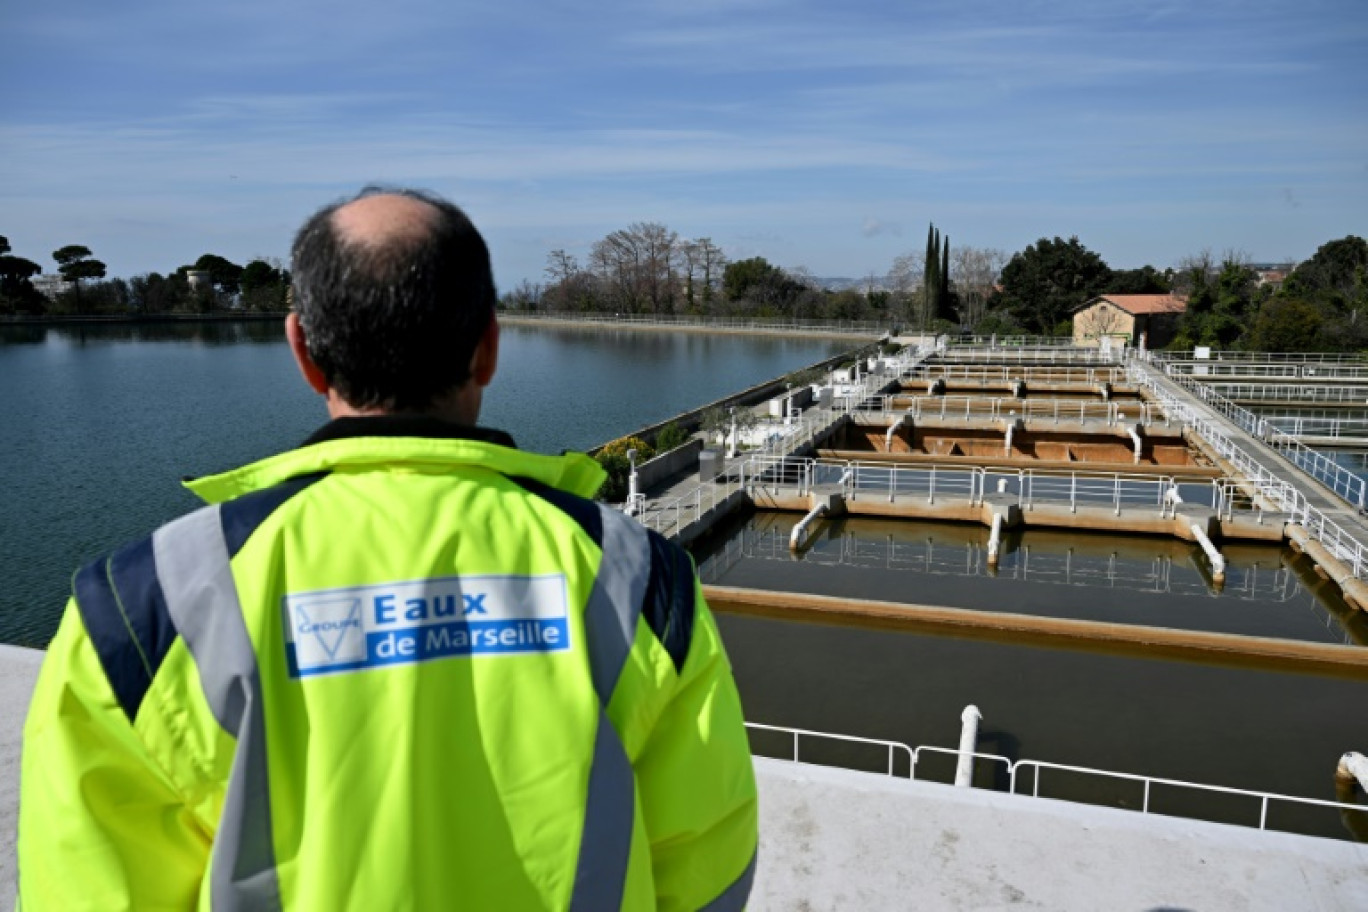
(1240, 724)
(100, 422)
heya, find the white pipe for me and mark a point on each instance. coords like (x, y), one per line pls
(995, 540)
(888, 438)
(635, 500)
(796, 539)
(964, 771)
(1019, 389)
(1007, 448)
(1173, 498)
(1139, 445)
(1353, 765)
(1105, 390)
(1217, 562)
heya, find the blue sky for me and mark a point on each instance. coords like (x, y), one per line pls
(814, 134)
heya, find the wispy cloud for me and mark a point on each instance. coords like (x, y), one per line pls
(157, 131)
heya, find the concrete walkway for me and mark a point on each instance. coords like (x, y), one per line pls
(1281, 468)
(835, 840)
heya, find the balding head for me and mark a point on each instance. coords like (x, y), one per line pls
(393, 291)
(384, 219)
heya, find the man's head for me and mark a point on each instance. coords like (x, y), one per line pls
(394, 302)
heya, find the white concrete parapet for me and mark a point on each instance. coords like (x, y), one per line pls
(833, 839)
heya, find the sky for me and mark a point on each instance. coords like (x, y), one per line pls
(815, 134)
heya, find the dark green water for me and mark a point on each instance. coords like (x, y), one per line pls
(1237, 726)
(98, 424)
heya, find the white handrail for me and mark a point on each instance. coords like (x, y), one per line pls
(1014, 768)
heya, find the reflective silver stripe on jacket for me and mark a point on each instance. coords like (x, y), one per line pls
(610, 623)
(193, 566)
(610, 618)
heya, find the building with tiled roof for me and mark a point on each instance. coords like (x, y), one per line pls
(1128, 318)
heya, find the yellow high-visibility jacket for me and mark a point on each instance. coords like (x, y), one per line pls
(405, 666)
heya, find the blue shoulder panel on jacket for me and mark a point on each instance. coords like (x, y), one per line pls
(125, 616)
(669, 607)
(124, 609)
(584, 512)
(241, 516)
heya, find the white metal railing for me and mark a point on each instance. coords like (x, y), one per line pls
(893, 747)
(1320, 426)
(674, 514)
(1149, 782)
(1280, 495)
(923, 481)
(853, 327)
(1085, 562)
(1233, 498)
(1289, 357)
(1346, 413)
(1032, 487)
(985, 373)
(1016, 770)
(1033, 354)
(1347, 485)
(999, 407)
(1232, 369)
(774, 459)
(1013, 342)
(1287, 392)
(1116, 490)
(1280, 370)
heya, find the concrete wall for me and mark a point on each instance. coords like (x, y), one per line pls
(680, 459)
(1102, 319)
(691, 419)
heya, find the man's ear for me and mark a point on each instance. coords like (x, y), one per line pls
(312, 374)
(486, 358)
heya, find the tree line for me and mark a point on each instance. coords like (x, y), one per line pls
(212, 284)
(647, 268)
(1322, 304)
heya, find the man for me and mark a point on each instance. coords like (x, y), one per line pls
(403, 666)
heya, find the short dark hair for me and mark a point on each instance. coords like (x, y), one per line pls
(395, 324)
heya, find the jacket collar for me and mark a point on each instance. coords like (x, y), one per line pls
(379, 443)
(406, 426)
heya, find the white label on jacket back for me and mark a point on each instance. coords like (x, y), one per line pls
(336, 630)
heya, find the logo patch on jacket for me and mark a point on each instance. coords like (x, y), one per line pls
(334, 630)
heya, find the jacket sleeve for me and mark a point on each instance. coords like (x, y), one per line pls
(696, 781)
(101, 826)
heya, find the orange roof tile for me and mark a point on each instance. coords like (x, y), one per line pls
(1137, 304)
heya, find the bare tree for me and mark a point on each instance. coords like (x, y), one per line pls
(975, 271)
(660, 247)
(1195, 271)
(525, 296)
(616, 260)
(1103, 320)
(712, 261)
(906, 279)
(637, 267)
(691, 259)
(568, 287)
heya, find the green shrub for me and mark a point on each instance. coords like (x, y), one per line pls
(613, 458)
(671, 437)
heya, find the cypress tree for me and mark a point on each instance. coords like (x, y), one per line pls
(943, 302)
